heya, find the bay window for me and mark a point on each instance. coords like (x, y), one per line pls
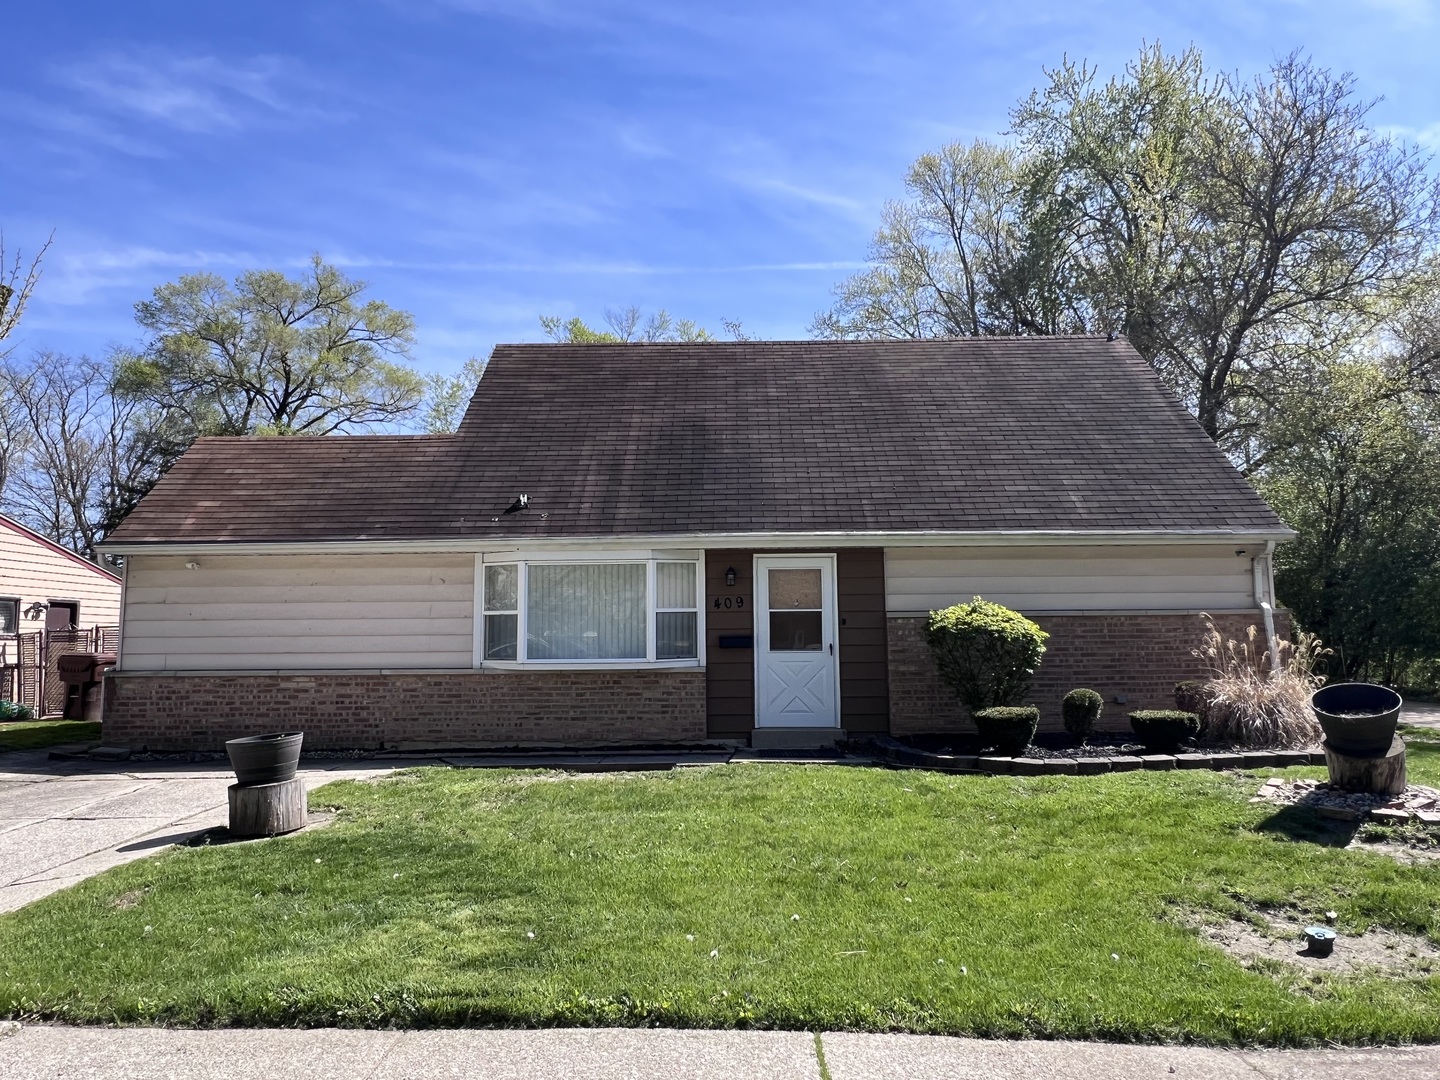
(551, 610)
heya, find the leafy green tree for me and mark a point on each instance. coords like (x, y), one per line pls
(447, 396)
(630, 324)
(1234, 231)
(1355, 470)
(270, 354)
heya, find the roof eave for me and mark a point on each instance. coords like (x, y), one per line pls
(837, 539)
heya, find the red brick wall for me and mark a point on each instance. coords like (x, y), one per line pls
(570, 708)
(1140, 657)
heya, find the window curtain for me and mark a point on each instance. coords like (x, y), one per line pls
(585, 611)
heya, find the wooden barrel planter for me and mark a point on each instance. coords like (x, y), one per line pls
(1362, 751)
(268, 798)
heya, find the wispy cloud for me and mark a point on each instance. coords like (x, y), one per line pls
(196, 94)
(589, 269)
(1427, 136)
(75, 129)
(73, 277)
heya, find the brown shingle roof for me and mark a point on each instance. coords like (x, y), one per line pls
(975, 434)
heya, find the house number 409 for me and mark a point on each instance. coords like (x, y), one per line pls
(730, 602)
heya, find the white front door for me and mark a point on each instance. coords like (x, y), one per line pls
(796, 672)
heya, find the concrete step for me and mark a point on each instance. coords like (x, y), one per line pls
(795, 738)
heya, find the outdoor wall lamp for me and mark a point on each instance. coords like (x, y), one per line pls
(730, 577)
(35, 610)
(192, 566)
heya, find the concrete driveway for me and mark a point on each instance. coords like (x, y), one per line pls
(1421, 714)
(64, 821)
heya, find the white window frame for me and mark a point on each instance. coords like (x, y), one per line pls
(522, 561)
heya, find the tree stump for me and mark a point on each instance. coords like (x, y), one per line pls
(267, 809)
(1380, 774)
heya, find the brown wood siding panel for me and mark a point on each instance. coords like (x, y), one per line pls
(730, 678)
(729, 673)
(864, 686)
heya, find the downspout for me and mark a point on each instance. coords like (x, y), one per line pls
(1261, 566)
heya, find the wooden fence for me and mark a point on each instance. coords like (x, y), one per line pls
(29, 662)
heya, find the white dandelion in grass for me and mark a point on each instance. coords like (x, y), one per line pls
(794, 918)
(714, 953)
(689, 937)
(530, 934)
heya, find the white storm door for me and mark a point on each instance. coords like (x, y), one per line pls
(796, 674)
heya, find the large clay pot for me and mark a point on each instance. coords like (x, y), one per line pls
(265, 759)
(1358, 718)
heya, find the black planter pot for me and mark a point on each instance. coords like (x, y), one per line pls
(265, 759)
(1358, 718)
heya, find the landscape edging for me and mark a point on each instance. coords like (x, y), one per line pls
(894, 752)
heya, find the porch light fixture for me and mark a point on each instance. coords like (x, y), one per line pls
(35, 610)
(730, 577)
(192, 566)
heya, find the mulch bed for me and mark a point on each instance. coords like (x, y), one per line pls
(1051, 745)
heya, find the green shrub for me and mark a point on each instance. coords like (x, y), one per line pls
(1080, 710)
(1008, 728)
(985, 652)
(1164, 729)
(1189, 695)
(9, 711)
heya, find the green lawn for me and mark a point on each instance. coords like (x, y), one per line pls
(33, 734)
(931, 903)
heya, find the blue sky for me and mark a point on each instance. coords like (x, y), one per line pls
(482, 163)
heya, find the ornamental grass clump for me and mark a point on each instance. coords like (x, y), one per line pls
(1080, 710)
(1008, 728)
(1251, 699)
(985, 652)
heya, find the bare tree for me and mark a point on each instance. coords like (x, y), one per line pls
(17, 283)
(80, 449)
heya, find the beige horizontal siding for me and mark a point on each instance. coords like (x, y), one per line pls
(297, 612)
(32, 571)
(1060, 579)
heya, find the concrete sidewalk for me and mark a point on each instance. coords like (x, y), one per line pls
(59, 1053)
(64, 821)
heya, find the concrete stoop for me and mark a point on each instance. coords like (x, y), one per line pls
(795, 738)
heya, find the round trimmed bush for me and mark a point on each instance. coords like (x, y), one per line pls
(1188, 695)
(1008, 728)
(1163, 730)
(985, 652)
(1080, 710)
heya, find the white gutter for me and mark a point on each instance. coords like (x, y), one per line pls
(762, 540)
(1264, 594)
